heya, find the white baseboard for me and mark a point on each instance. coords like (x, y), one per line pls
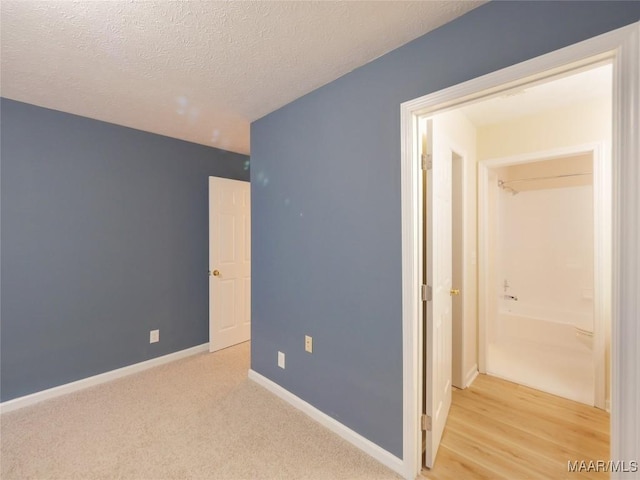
(367, 446)
(36, 397)
(471, 376)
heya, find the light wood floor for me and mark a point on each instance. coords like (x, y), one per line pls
(501, 430)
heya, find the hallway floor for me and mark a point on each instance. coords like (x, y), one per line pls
(501, 430)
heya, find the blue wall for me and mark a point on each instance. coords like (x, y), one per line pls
(326, 207)
(104, 237)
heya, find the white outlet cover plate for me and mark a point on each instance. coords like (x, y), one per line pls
(281, 359)
(154, 336)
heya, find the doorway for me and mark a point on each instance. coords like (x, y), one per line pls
(531, 204)
(545, 259)
(625, 148)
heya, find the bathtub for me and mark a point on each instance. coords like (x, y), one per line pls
(518, 322)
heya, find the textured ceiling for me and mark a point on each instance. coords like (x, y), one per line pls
(196, 70)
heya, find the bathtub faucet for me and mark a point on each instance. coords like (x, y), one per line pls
(511, 297)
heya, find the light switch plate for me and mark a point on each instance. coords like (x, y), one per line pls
(281, 359)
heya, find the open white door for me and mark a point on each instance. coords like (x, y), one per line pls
(438, 266)
(229, 262)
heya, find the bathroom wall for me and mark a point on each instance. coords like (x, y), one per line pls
(529, 213)
(546, 250)
(577, 124)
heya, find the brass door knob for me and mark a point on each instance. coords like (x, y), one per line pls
(216, 273)
(454, 291)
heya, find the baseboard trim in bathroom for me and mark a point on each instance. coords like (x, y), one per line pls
(471, 375)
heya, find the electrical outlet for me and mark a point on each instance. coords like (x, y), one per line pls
(154, 336)
(308, 344)
(281, 359)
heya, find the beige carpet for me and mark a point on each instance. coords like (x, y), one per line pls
(197, 418)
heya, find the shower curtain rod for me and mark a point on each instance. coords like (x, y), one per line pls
(502, 182)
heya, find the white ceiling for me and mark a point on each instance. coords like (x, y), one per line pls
(196, 70)
(591, 84)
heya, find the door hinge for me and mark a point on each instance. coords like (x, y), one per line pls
(426, 161)
(425, 423)
(426, 293)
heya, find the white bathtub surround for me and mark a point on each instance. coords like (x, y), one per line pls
(540, 349)
(544, 368)
(541, 326)
(585, 337)
(546, 243)
(541, 334)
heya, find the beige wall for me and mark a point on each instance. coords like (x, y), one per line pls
(564, 127)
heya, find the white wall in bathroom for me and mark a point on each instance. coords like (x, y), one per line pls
(545, 213)
(546, 250)
(578, 124)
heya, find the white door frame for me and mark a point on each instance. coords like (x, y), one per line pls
(602, 194)
(622, 46)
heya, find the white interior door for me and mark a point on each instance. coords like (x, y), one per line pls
(229, 262)
(438, 236)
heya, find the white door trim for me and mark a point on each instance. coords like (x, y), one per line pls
(623, 47)
(602, 195)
